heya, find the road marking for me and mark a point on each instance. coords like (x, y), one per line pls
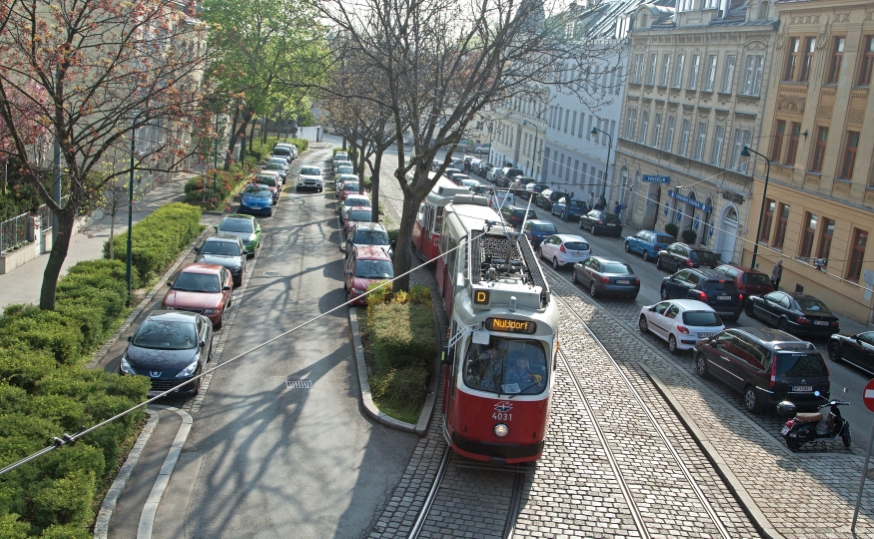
(298, 384)
(271, 274)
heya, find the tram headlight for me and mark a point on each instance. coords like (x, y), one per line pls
(501, 430)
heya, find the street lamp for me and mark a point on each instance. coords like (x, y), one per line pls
(130, 208)
(595, 131)
(746, 153)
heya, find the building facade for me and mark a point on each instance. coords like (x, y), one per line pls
(518, 127)
(819, 206)
(696, 92)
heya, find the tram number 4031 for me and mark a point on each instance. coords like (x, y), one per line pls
(498, 416)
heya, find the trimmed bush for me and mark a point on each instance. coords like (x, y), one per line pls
(689, 236)
(672, 229)
(214, 193)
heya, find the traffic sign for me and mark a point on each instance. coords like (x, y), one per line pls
(868, 395)
(652, 178)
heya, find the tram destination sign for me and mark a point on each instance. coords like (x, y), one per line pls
(511, 326)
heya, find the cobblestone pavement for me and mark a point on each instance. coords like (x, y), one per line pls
(807, 494)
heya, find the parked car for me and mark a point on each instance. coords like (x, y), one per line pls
(570, 212)
(344, 169)
(506, 175)
(491, 172)
(470, 183)
(244, 227)
(601, 222)
(457, 177)
(680, 255)
(602, 276)
(499, 199)
(680, 322)
(750, 282)
(484, 168)
(537, 230)
(348, 188)
(338, 183)
(290, 146)
(857, 350)
(708, 286)
(224, 250)
(514, 215)
(563, 249)
(310, 178)
(257, 199)
(353, 200)
(340, 156)
(354, 215)
(794, 312)
(272, 166)
(648, 243)
(450, 171)
(365, 264)
(283, 152)
(201, 288)
(766, 366)
(536, 188)
(271, 182)
(171, 348)
(483, 148)
(547, 198)
(367, 233)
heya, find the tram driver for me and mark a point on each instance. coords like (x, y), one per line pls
(520, 373)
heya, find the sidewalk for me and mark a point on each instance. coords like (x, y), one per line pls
(22, 285)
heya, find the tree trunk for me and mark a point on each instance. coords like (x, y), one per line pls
(252, 137)
(403, 256)
(374, 186)
(233, 139)
(112, 233)
(66, 221)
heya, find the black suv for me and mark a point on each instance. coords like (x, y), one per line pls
(766, 365)
(515, 215)
(680, 255)
(546, 198)
(710, 286)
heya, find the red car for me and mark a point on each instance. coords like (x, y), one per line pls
(750, 282)
(349, 188)
(353, 215)
(366, 264)
(201, 288)
(270, 181)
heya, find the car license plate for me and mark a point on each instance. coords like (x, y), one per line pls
(820, 322)
(800, 389)
(784, 431)
(611, 224)
(623, 281)
(723, 297)
(704, 335)
(151, 394)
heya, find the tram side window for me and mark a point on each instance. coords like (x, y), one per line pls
(506, 366)
(438, 220)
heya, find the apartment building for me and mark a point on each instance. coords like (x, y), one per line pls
(695, 95)
(819, 206)
(518, 127)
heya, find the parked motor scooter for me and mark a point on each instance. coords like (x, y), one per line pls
(801, 428)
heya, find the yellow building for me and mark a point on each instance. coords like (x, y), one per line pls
(817, 133)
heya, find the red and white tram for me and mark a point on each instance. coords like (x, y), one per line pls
(503, 337)
(429, 221)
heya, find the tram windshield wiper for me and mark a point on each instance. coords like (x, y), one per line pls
(537, 383)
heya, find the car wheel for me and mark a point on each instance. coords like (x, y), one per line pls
(238, 282)
(574, 276)
(672, 344)
(628, 248)
(592, 230)
(645, 255)
(196, 389)
(751, 400)
(658, 263)
(555, 264)
(663, 293)
(592, 290)
(748, 308)
(642, 325)
(218, 325)
(701, 365)
(783, 325)
(580, 225)
(539, 253)
(834, 351)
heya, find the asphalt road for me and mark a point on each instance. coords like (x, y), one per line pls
(265, 460)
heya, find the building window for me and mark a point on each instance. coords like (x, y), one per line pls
(700, 141)
(693, 72)
(669, 135)
(793, 144)
(678, 73)
(807, 61)
(582, 122)
(777, 144)
(637, 69)
(684, 138)
(867, 62)
(741, 138)
(825, 241)
(767, 219)
(644, 127)
(718, 140)
(792, 59)
(666, 68)
(728, 73)
(782, 219)
(711, 73)
(567, 114)
(857, 256)
(753, 75)
(651, 69)
(763, 11)
(809, 232)
(576, 169)
(589, 132)
(656, 130)
(819, 149)
(629, 124)
(849, 161)
(834, 69)
(574, 122)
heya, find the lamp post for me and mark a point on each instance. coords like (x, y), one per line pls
(130, 209)
(746, 153)
(215, 157)
(595, 131)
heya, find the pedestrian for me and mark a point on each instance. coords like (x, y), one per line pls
(617, 208)
(591, 203)
(777, 274)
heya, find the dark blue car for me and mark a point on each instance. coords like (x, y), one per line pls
(648, 243)
(570, 212)
(257, 199)
(537, 230)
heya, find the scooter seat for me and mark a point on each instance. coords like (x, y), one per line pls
(815, 417)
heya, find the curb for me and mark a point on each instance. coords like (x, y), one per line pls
(421, 427)
(736, 487)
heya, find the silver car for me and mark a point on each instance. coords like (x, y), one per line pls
(224, 250)
(310, 178)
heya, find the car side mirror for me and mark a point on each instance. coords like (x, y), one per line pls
(393, 244)
(169, 283)
(203, 343)
(226, 288)
(197, 249)
(130, 338)
(652, 309)
(855, 337)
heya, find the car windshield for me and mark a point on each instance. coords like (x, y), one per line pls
(757, 278)
(701, 319)
(358, 201)
(704, 256)
(197, 282)
(257, 190)
(345, 169)
(350, 186)
(278, 161)
(166, 335)
(615, 267)
(810, 304)
(578, 204)
(266, 180)
(359, 215)
(371, 237)
(341, 156)
(506, 366)
(666, 240)
(310, 171)
(237, 225)
(274, 166)
(544, 227)
(220, 248)
(281, 151)
(721, 286)
(576, 246)
(797, 365)
(374, 269)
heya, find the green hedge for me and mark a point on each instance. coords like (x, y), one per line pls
(214, 193)
(159, 238)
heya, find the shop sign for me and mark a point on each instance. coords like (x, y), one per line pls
(733, 197)
(694, 203)
(651, 178)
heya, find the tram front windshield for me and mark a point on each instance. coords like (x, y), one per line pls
(506, 366)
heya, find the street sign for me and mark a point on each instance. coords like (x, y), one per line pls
(651, 178)
(868, 395)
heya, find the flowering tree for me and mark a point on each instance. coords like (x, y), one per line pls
(106, 68)
(32, 125)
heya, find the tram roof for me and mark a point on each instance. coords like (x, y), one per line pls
(474, 216)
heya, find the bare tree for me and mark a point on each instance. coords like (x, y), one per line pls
(442, 61)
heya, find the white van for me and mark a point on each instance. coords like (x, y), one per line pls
(497, 200)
